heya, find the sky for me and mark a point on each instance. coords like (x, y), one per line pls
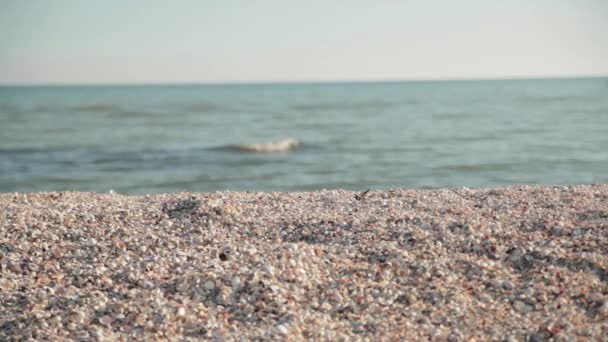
(180, 41)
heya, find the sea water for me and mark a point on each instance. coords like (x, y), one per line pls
(368, 135)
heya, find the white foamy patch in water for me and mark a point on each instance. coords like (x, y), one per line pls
(284, 145)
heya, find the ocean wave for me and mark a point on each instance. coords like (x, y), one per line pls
(209, 108)
(108, 110)
(342, 106)
(281, 146)
(93, 108)
(96, 108)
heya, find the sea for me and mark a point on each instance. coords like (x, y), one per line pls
(140, 139)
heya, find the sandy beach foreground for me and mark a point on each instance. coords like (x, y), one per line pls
(514, 264)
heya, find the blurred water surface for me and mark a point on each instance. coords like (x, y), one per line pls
(147, 139)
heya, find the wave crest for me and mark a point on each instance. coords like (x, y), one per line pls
(284, 145)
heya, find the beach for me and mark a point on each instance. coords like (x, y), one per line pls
(518, 263)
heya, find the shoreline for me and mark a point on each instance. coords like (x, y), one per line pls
(511, 263)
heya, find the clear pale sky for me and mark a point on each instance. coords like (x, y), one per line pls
(114, 41)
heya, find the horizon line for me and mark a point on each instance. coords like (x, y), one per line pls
(294, 82)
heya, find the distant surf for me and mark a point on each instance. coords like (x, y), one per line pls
(280, 146)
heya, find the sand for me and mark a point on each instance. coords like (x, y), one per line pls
(506, 264)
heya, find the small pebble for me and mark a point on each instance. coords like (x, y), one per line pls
(269, 270)
(166, 224)
(105, 320)
(596, 297)
(236, 283)
(507, 285)
(282, 329)
(522, 307)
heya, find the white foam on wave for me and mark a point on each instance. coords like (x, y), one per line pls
(284, 145)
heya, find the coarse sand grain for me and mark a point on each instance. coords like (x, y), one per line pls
(518, 263)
